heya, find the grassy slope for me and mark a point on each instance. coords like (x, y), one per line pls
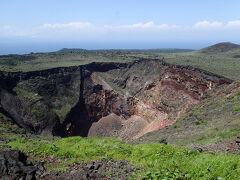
(39, 61)
(8, 130)
(157, 161)
(220, 47)
(223, 63)
(161, 50)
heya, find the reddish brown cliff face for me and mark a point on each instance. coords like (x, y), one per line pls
(106, 99)
(131, 102)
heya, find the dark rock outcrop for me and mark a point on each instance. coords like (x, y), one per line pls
(40, 101)
(13, 165)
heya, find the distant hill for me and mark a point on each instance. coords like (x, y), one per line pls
(220, 47)
(71, 50)
(163, 50)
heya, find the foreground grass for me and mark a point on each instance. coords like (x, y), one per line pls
(158, 161)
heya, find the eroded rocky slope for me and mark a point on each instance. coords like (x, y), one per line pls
(211, 125)
(104, 99)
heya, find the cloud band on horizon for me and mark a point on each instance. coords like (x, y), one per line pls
(148, 30)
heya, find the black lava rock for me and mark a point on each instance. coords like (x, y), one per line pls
(13, 165)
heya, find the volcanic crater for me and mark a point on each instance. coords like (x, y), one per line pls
(123, 100)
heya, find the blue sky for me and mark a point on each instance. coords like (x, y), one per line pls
(48, 25)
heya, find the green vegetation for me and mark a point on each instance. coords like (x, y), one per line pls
(225, 63)
(217, 135)
(158, 161)
(217, 118)
(9, 131)
(201, 122)
(162, 50)
(27, 96)
(40, 61)
(219, 63)
(13, 60)
(31, 98)
(63, 111)
(236, 108)
(176, 125)
(38, 111)
(220, 47)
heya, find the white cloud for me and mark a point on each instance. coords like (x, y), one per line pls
(235, 24)
(230, 25)
(147, 26)
(128, 27)
(9, 31)
(208, 25)
(87, 30)
(74, 25)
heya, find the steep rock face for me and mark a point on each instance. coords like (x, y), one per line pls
(211, 125)
(160, 93)
(104, 99)
(39, 100)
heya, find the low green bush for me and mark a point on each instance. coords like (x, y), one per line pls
(236, 108)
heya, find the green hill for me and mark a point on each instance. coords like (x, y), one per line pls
(222, 59)
(220, 47)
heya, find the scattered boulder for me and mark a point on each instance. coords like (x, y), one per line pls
(231, 146)
(238, 140)
(104, 169)
(163, 141)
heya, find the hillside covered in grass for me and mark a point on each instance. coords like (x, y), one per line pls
(220, 47)
(152, 161)
(213, 59)
(156, 161)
